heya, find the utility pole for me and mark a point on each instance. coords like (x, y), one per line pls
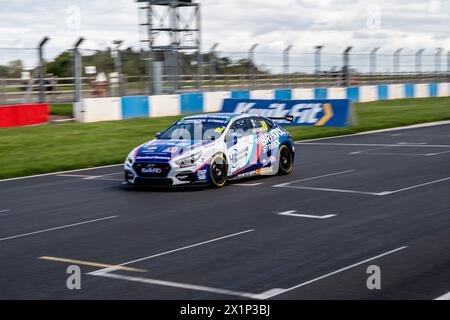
(118, 66)
(42, 70)
(419, 60)
(317, 60)
(373, 60)
(77, 71)
(251, 65)
(286, 63)
(346, 67)
(213, 65)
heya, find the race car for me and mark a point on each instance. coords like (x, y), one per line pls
(212, 149)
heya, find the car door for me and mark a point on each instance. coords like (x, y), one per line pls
(267, 149)
(239, 141)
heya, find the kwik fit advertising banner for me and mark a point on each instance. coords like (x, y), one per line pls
(331, 113)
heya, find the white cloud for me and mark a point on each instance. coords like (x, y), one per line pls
(237, 24)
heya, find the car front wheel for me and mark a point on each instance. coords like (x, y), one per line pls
(218, 171)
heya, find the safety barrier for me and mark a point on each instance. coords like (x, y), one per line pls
(23, 115)
(104, 109)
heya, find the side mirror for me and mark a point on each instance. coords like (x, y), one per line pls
(158, 134)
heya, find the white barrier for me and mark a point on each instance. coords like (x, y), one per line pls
(443, 89)
(105, 109)
(396, 91)
(99, 109)
(422, 90)
(337, 93)
(213, 100)
(368, 93)
(302, 94)
(78, 111)
(165, 105)
(262, 94)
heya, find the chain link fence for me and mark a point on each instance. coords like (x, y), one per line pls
(114, 72)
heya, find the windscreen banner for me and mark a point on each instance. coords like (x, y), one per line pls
(329, 113)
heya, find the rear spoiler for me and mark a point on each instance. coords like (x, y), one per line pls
(289, 118)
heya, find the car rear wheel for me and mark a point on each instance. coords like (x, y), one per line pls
(285, 160)
(218, 171)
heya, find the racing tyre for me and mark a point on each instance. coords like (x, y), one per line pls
(285, 162)
(218, 171)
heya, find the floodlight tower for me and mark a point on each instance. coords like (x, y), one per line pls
(172, 27)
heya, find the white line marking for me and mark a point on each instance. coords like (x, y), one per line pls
(399, 154)
(312, 178)
(180, 285)
(60, 172)
(384, 193)
(373, 145)
(106, 270)
(366, 150)
(101, 176)
(281, 291)
(2, 212)
(444, 297)
(418, 185)
(247, 184)
(73, 175)
(294, 214)
(436, 153)
(57, 228)
(412, 143)
(414, 126)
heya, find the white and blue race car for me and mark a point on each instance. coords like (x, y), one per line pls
(212, 149)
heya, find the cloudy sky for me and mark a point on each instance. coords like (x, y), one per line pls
(236, 24)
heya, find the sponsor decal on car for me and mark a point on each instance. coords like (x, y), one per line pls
(151, 170)
(237, 156)
(201, 175)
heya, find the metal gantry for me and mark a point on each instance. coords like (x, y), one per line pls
(172, 28)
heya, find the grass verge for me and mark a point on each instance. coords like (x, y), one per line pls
(61, 109)
(56, 147)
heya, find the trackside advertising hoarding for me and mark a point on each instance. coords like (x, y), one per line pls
(331, 113)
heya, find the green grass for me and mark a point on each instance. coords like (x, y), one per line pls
(56, 147)
(61, 109)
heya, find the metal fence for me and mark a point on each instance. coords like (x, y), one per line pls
(118, 72)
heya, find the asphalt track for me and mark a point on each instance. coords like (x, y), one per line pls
(377, 199)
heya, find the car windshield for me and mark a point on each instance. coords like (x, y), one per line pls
(196, 129)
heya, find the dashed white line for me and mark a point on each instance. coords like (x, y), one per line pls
(293, 213)
(56, 228)
(248, 184)
(444, 297)
(286, 184)
(106, 270)
(281, 291)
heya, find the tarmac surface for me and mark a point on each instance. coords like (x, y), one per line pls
(353, 204)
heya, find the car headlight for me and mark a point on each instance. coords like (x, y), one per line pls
(130, 157)
(189, 161)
